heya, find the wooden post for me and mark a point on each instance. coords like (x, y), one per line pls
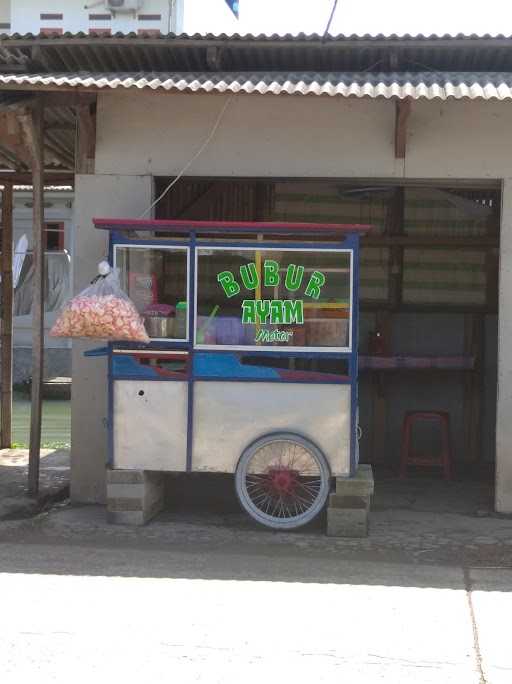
(6, 323)
(86, 144)
(34, 133)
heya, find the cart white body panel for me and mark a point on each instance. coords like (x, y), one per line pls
(228, 416)
(150, 430)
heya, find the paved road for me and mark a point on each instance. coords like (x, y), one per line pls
(114, 609)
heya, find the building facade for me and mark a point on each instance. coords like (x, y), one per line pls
(316, 127)
(343, 138)
(103, 18)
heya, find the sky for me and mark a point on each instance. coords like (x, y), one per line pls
(352, 16)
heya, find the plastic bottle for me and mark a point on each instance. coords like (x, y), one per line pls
(180, 324)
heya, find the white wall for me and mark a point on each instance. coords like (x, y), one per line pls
(95, 196)
(270, 135)
(504, 409)
(259, 135)
(25, 16)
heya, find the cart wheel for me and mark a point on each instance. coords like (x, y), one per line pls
(282, 480)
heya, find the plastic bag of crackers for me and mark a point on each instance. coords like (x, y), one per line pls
(102, 311)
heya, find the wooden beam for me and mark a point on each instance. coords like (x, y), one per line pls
(33, 124)
(51, 177)
(402, 111)
(67, 99)
(6, 323)
(86, 145)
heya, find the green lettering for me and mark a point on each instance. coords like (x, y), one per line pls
(294, 275)
(249, 276)
(270, 273)
(248, 311)
(229, 285)
(316, 282)
(293, 311)
(263, 309)
(276, 311)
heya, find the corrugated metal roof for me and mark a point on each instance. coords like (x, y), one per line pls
(246, 37)
(131, 52)
(429, 85)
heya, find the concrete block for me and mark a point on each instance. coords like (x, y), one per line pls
(125, 491)
(347, 522)
(115, 476)
(359, 485)
(340, 501)
(134, 496)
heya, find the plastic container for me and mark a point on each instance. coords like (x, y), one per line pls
(180, 322)
(229, 330)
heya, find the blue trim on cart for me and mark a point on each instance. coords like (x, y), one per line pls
(97, 351)
(266, 351)
(156, 378)
(110, 416)
(353, 363)
(152, 346)
(282, 381)
(278, 246)
(347, 243)
(120, 241)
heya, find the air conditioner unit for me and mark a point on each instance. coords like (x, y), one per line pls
(123, 5)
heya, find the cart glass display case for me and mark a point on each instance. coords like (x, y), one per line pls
(252, 364)
(267, 298)
(156, 280)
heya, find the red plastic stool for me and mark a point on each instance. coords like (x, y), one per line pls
(409, 457)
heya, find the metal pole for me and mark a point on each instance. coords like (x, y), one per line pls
(6, 323)
(35, 126)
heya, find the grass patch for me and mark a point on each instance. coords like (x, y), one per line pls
(44, 445)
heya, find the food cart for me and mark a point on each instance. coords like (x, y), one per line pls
(252, 364)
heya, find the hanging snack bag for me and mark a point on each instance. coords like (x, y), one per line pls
(102, 311)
